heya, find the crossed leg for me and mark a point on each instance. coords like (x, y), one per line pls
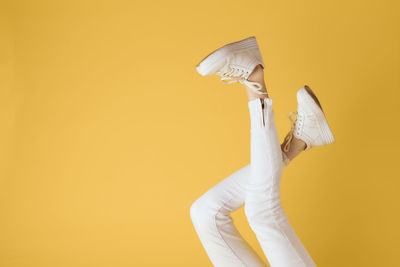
(257, 186)
(211, 218)
(263, 207)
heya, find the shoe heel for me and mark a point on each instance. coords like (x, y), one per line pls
(326, 132)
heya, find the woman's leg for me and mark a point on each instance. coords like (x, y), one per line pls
(210, 213)
(211, 218)
(263, 207)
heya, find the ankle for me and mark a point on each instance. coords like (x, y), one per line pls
(295, 148)
(257, 75)
(285, 159)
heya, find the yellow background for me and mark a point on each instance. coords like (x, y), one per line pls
(108, 133)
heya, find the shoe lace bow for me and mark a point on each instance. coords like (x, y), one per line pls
(289, 136)
(240, 75)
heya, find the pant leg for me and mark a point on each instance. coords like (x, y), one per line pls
(263, 208)
(211, 218)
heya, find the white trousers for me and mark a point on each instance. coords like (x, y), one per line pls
(257, 186)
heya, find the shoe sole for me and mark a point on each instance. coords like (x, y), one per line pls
(326, 131)
(217, 58)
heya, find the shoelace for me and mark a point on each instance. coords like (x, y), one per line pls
(289, 136)
(239, 75)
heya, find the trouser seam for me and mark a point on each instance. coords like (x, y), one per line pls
(226, 243)
(274, 183)
(280, 229)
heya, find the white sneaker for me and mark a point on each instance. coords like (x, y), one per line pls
(310, 125)
(234, 62)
